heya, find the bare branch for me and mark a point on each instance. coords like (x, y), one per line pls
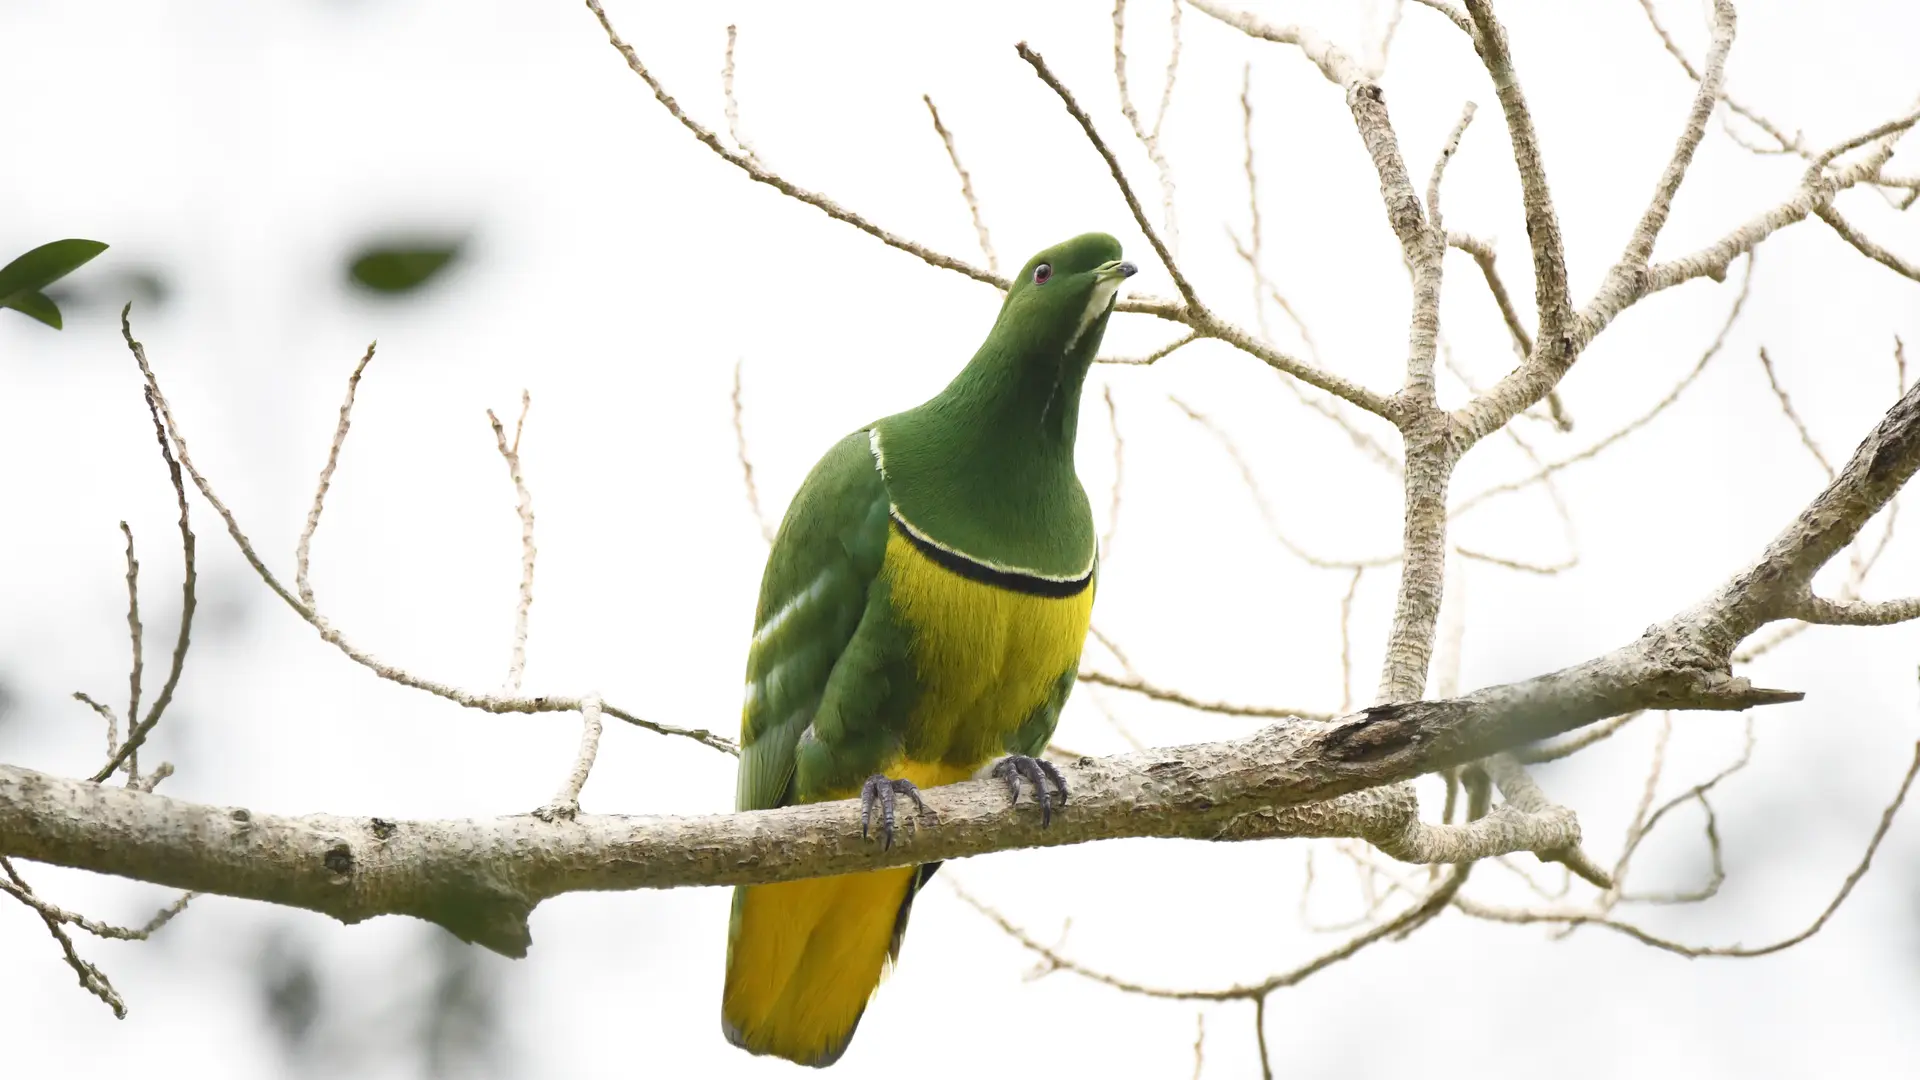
(1150, 138)
(523, 506)
(1418, 914)
(1546, 472)
(565, 804)
(92, 979)
(1817, 189)
(1346, 640)
(1799, 425)
(1196, 310)
(1780, 138)
(1447, 151)
(304, 549)
(1524, 795)
(106, 713)
(1573, 744)
(767, 527)
(1199, 1043)
(1551, 298)
(1267, 512)
(494, 703)
(1828, 213)
(1537, 569)
(1482, 253)
(1156, 355)
(1454, 15)
(135, 672)
(137, 729)
(1387, 35)
(1640, 245)
(1580, 918)
(1260, 1035)
(966, 187)
(1134, 685)
(733, 103)
(748, 164)
(1826, 612)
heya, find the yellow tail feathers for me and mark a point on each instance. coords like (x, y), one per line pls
(803, 957)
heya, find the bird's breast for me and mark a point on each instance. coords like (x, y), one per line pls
(986, 652)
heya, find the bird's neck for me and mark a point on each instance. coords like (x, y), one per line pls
(986, 466)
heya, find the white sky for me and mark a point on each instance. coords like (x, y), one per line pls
(618, 272)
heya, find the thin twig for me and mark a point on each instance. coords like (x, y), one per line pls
(966, 187)
(746, 459)
(1199, 1043)
(733, 103)
(92, 979)
(1260, 1035)
(1447, 151)
(565, 804)
(1040, 68)
(523, 507)
(748, 164)
(1346, 641)
(1267, 512)
(138, 635)
(1482, 253)
(494, 703)
(1150, 137)
(1641, 421)
(106, 713)
(1581, 918)
(1156, 355)
(137, 732)
(1175, 697)
(1799, 426)
(1831, 215)
(1542, 753)
(303, 551)
(1429, 905)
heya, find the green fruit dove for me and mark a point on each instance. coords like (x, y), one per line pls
(921, 615)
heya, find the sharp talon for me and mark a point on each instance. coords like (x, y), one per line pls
(1014, 766)
(1009, 771)
(882, 789)
(905, 787)
(867, 792)
(886, 815)
(1053, 774)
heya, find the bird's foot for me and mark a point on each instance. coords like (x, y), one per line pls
(1039, 771)
(881, 789)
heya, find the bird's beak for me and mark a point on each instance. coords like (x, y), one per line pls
(1116, 270)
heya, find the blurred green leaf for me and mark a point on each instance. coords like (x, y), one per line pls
(45, 265)
(35, 304)
(107, 290)
(398, 268)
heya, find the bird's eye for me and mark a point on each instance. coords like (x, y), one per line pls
(1042, 273)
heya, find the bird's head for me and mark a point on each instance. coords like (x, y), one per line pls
(1059, 300)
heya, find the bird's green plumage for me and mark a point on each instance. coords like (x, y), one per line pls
(921, 614)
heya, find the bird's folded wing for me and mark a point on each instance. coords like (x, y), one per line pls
(813, 596)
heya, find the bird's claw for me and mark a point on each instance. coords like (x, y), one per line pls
(882, 789)
(1037, 770)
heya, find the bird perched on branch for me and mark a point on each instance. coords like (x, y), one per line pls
(921, 615)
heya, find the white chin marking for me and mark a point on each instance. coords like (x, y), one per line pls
(1096, 304)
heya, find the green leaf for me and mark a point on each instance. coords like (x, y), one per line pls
(400, 269)
(35, 304)
(43, 266)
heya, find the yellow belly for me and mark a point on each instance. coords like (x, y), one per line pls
(986, 657)
(805, 956)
